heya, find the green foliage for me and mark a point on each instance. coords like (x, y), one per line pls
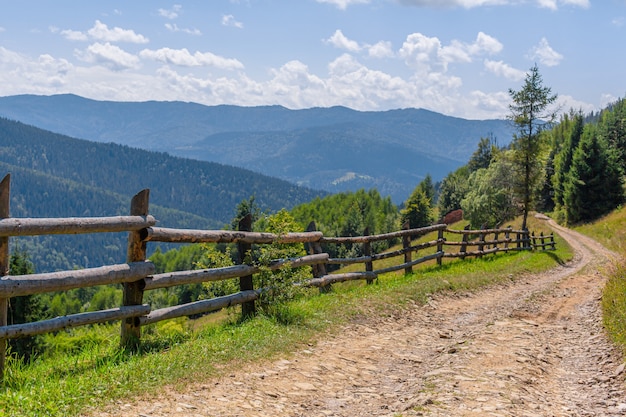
(279, 285)
(428, 188)
(24, 309)
(566, 137)
(417, 209)
(530, 113)
(490, 200)
(213, 257)
(612, 127)
(481, 158)
(453, 190)
(349, 214)
(594, 183)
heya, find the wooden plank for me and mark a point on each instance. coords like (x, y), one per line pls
(385, 236)
(412, 263)
(199, 307)
(170, 279)
(73, 320)
(160, 234)
(19, 285)
(333, 278)
(73, 225)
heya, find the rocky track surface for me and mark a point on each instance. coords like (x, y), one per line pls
(532, 347)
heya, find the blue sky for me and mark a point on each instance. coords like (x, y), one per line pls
(457, 57)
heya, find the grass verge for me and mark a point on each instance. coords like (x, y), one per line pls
(611, 232)
(96, 374)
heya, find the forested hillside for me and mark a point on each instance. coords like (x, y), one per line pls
(335, 149)
(570, 165)
(58, 176)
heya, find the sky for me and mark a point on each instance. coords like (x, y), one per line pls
(456, 57)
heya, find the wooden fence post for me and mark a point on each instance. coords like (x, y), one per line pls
(439, 245)
(314, 248)
(552, 242)
(133, 291)
(5, 199)
(406, 244)
(367, 251)
(245, 283)
(464, 243)
(507, 236)
(481, 244)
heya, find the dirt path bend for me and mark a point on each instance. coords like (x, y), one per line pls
(534, 347)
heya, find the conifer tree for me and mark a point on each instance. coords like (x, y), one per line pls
(530, 112)
(594, 184)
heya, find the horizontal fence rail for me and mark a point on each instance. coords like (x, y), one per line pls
(138, 274)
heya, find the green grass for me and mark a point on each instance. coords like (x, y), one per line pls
(611, 232)
(175, 353)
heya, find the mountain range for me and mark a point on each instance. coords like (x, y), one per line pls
(54, 175)
(332, 149)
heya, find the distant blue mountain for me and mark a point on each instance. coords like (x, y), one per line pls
(334, 149)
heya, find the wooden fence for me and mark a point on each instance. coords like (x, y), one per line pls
(138, 274)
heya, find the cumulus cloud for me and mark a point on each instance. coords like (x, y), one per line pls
(544, 53)
(101, 32)
(107, 55)
(183, 58)
(339, 40)
(469, 4)
(229, 20)
(425, 52)
(173, 27)
(343, 4)
(171, 13)
(382, 49)
(74, 35)
(501, 69)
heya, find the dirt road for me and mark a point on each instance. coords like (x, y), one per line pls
(533, 347)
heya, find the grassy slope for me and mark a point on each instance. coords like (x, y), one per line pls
(611, 232)
(91, 371)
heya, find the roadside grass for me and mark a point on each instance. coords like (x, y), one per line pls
(86, 376)
(611, 232)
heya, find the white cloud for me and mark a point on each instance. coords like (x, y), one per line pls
(382, 49)
(173, 27)
(107, 55)
(339, 40)
(2, 29)
(469, 4)
(425, 52)
(229, 20)
(566, 102)
(544, 53)
(171, 13)
(343, 4)
(74, 35)
(501, 69)
(101, 32)
(183, 58)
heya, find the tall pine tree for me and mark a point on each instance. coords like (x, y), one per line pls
(530, 112)
(594, 183)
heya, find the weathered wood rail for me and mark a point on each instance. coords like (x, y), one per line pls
(138, 274)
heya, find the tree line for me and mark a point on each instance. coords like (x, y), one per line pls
(571, 166)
